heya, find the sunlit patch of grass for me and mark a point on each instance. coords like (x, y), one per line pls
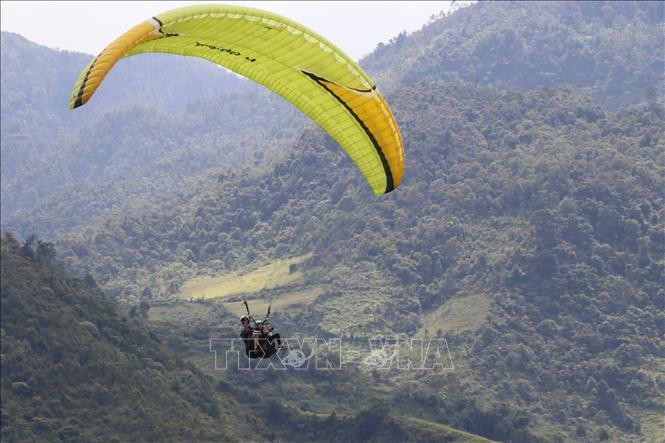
(652, 427)
(281, 303)
(355, 311)
(182, 313)
(276, 274)
(458, 315)
(441, 431)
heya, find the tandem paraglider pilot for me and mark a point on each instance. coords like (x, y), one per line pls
(259, 339)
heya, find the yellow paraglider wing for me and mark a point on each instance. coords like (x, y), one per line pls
(287, 58)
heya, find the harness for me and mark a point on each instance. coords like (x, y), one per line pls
(258, 335)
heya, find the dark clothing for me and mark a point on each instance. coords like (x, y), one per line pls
(277, 339)
(247, 334)
(270, 344)
(267, 346)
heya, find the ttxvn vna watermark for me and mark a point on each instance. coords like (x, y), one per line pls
(326, 354)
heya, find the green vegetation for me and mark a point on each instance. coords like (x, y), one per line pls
(74, 369)
(541, 201)
(610, 51)
(457, 315)
(530, 226)
(421, 427)
(293, 299)
(132, 146)
(278, 273)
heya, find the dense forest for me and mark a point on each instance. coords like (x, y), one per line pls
(541, 201)
(143, 137)
(75, 369)
(68, 354)
(529, 232)
(610, 51)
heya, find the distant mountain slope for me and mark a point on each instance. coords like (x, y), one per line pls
(157, 121)
(611, 51)
(74, 369)
(540, 203)
(37, 82)
(536, 201)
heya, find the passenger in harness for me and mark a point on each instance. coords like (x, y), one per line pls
(260, 341)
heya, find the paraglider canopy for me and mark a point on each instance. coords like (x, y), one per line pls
(287, 58)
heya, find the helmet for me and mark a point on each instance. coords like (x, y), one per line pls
(243, 318)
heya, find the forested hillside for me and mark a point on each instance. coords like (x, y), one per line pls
(542, 202)
(611, 51)
(529, 230)
(158, 125)
(74, 369)
(37, 82)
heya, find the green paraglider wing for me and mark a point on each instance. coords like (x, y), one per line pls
(287, 58)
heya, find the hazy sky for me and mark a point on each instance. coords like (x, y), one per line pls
(355, 27)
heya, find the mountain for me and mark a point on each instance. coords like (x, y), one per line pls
(134, 142)
(528, 233)
(610, 51)
(540, 206)
(75, 369)
(165, 83)
(37, 82)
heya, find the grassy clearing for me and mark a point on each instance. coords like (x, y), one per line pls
(355, 311)
(458, 315)
(285, 302)
(276, 274)
(420, 426)
(181, 313)
(652, 427)
(186, 313)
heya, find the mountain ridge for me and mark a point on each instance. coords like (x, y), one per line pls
(610, 51)
(542, 199)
